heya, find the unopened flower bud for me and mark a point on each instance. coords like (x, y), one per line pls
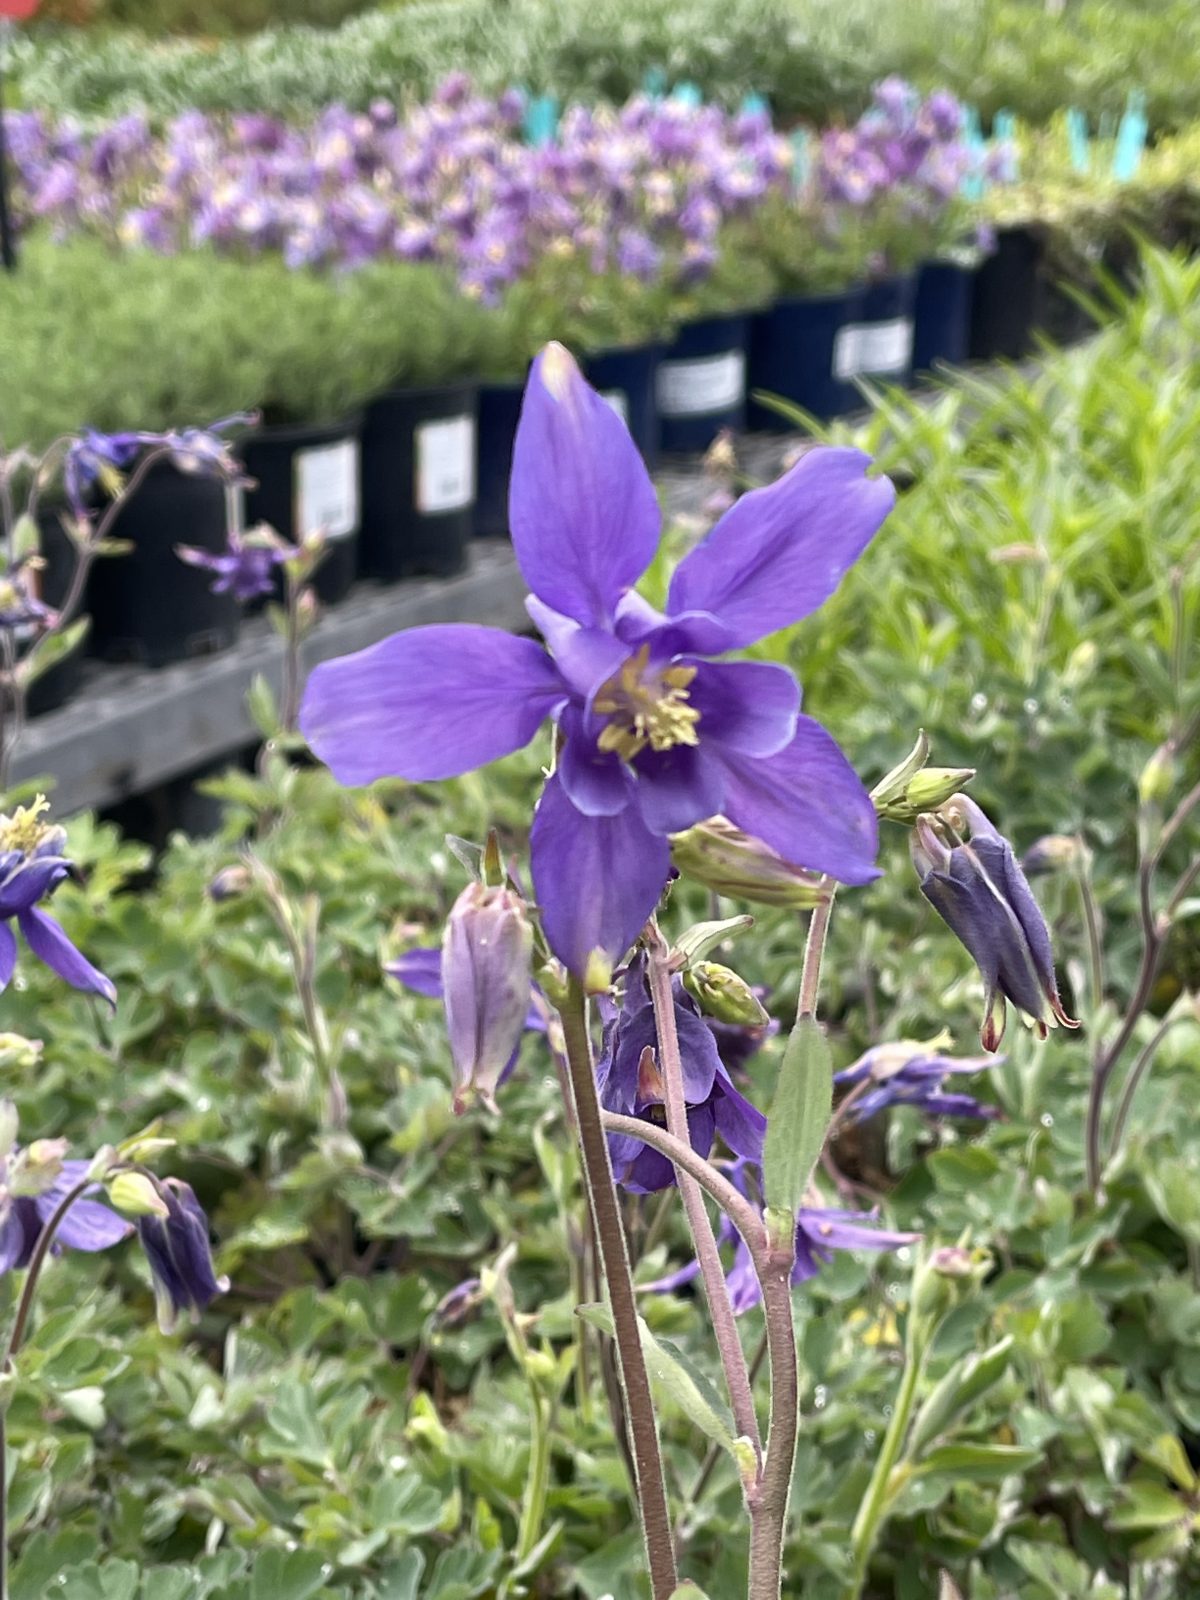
(37, 1168)
(925, 791)
(18, 1053)
(731, 862)
(980, 892)
(1053, 853)
(133, 1194)
(229, 882)
(1158, 777)
(487, 950)
(721, 993)
(945, 1276)
(9, 1124)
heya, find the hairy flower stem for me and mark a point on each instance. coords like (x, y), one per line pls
(733, 1358)
(874, 1503)
(37, 1261)
(1155, 928)
(614, 1261)
(814, 951)
(773, 1267)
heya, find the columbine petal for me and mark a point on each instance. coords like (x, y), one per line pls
(419, 970)
(679, 787)
(429, 703)
(808, 804)
(49, 943)
(742, 1125)
(597, 782)
(596, 879)
(780, 552)
(748, 706)
(31, 883)
(15, 1241)
(88, 1225)
(586, 657)
(583, 512)
(8, 955)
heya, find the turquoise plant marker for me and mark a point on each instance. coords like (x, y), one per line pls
(1077, 140)
(754, 106)
(687, 94)
(541, 120)
(1131, 137)
(654, 83)
(973, 181)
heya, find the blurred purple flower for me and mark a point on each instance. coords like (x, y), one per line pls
(245, 568)
(914, 1075)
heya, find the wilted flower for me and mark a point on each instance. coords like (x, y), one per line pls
(180, 1255)
(655, 734)
(911, 1074)
(32, 866)
(980, 892)
(629, 1083)
(487, 950)
(819, 1233)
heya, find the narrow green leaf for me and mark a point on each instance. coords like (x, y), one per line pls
(978, 1461)
(799, 1116)
(966, 1382)
(677, 1379)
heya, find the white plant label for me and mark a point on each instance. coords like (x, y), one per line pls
(445, 465)
(617, 400)
(700, 387)
(873, 347)
(326, 480)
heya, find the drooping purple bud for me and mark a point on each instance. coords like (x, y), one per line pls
(180, 1255)
(487, 952)
(978, 889)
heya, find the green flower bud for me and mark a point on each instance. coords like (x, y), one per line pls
(912, 787)
(1158, 777)
(722, 994)
(134, 1195)
(731, 862)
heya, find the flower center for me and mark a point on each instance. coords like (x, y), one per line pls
(25, 830)
(646, 708)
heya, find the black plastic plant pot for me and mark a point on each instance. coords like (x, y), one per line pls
(1057, 315)
(792, 356)
(1004, 297)
(499, 413)
(878, 344)
(627, 379)
(418, 482)
(147, 605)
(58, 683)
(942, 319)
(701, 383)
(308, 478)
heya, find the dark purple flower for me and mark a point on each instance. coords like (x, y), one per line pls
(245, 568)
(656, 735)
(971, 877)
(32, 866)
(629, 1082)
(180, 1255)
(96, 457)
(819, 1233)
(912, 1075)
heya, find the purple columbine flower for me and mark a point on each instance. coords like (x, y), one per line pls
(629, 1082)
(96, 457)
(33, 1183)
(487, 951)
(32, 865)
(972, 879)
(911, 1074)
(245, 568)
(180, 1255)
(655, 734)
(819, 1233)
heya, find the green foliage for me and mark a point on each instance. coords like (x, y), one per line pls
(146, 342)
(812, 58)
(1033, 604)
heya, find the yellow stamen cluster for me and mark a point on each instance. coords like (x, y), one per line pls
(25, 829)
(646, 708)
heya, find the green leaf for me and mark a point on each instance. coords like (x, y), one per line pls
(965, 1383)
(48, 652)
(400, 1580)
(1167, 1453)
(1148, 1505)
(983, 1462)
(263, 707)
(287, 1575)
(675, 1376)
(799, 1116)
